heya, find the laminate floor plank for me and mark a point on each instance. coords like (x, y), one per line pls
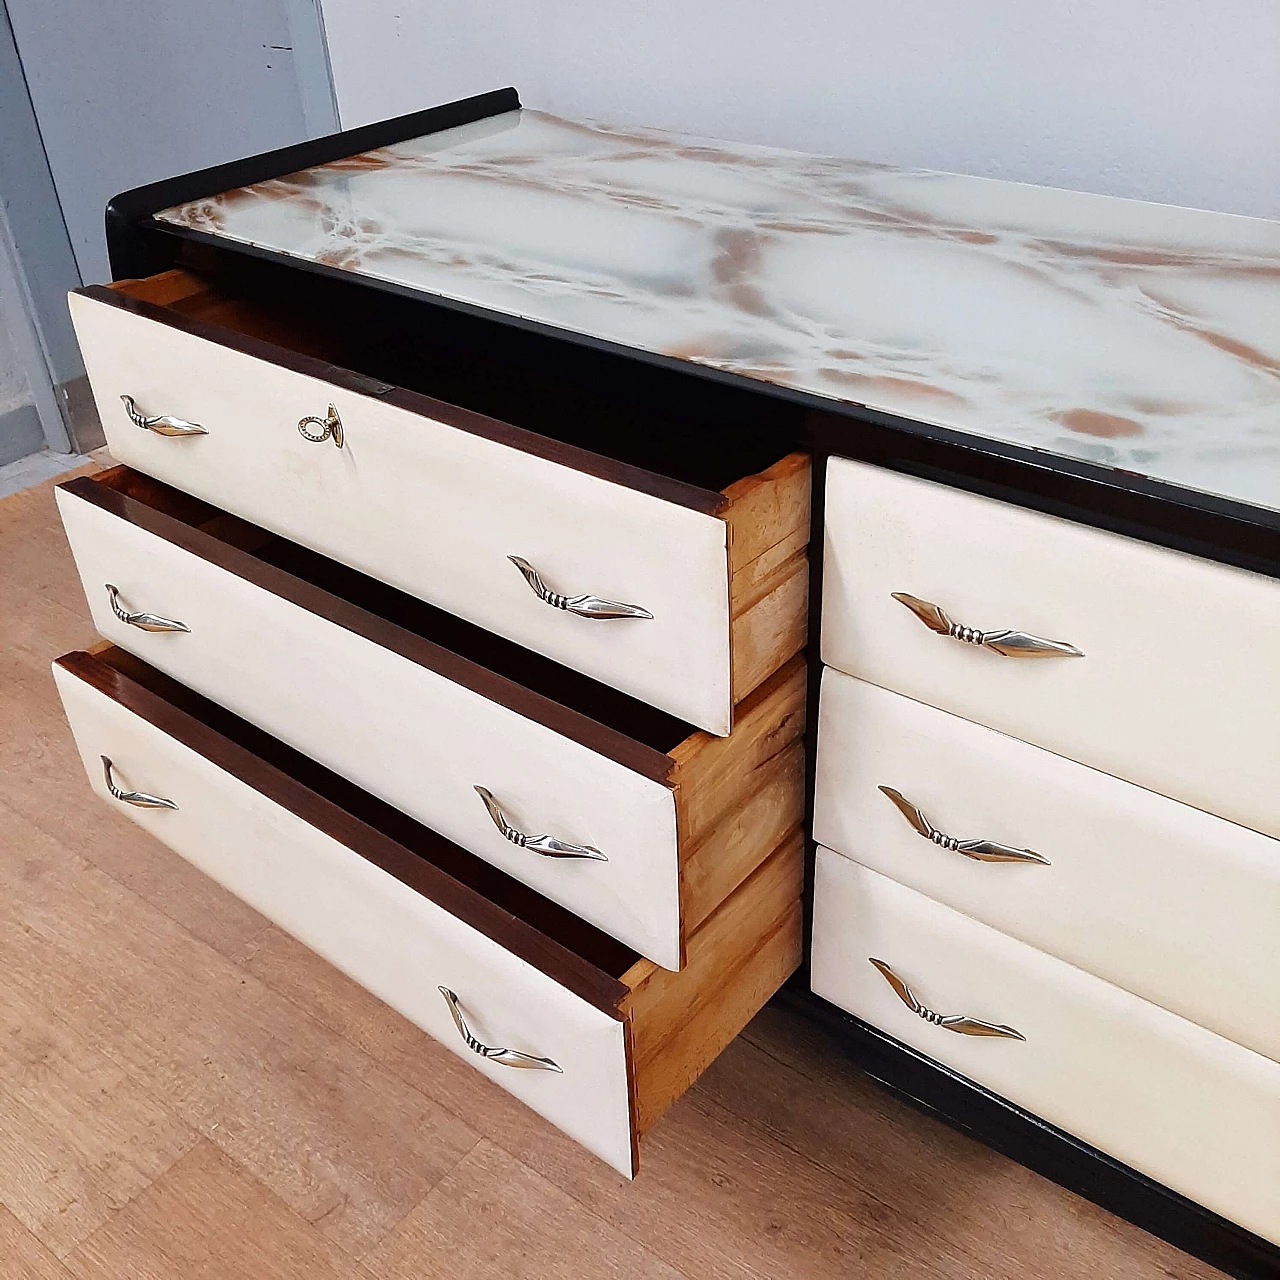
(206, 1219)
(42, 605)
(22, 1256)
(493, 1216)
(78, 1137)
(344, 1142)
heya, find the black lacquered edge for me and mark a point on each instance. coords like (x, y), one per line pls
(128, 215)
(1040, 1146)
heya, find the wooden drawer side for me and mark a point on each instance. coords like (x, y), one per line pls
(768, 517)
(737, 798)
(737, 959)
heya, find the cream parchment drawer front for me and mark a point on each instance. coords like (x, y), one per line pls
(1179, 681)
(614, 828)
(595, 1038)
(629, 584)
(382, 932)
(1170, 903)
(1188, 1108)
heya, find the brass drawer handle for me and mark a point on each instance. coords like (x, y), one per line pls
(1010, 644)
(162, 424)
(330, 428)
(979, 850)
(584, 606)
(143, 621)
(548, 846)
(139, 798)
(956, 1022)
(505, 1057)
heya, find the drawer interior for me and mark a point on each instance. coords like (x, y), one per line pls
(562, 926)
(637, 720)
(705, 435)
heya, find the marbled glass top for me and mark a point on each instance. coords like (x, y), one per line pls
(1138, 336)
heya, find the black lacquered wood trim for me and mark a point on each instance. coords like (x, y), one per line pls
(412, 859)
(1051, 1152)
(130, 247)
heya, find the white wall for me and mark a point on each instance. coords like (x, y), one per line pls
(1172, 100)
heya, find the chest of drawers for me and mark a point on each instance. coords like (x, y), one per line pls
(471, 617)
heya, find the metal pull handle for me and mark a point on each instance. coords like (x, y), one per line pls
(584, 606)
(956, 1022)
(506, 1057)
(162, 424)
(140, 798)
(548, 846)
(330, 428)
(979, 850)
(143, 621)
(1010, 644)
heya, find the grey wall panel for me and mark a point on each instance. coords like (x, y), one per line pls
(37, 267)
(13, 379)
(20, 433)
(136, 90)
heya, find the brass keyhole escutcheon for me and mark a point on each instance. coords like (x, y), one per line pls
(330, 428)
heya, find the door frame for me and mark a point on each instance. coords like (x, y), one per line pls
(38, 268)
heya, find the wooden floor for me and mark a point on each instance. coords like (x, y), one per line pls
(187, 1093)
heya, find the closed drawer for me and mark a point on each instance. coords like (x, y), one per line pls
(1172, 904)
(1180, 677)
(588, 1034)
(1184, 1106)
(436, 500)
(656, 822)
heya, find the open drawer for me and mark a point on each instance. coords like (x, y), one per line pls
(596, 1039)
(679, 579)
(645, 823)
